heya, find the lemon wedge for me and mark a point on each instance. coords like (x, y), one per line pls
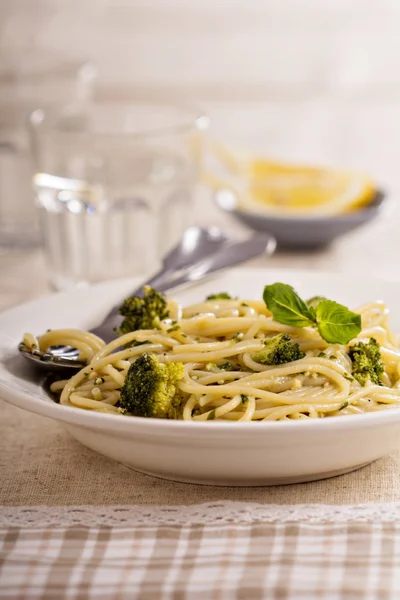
(293, 190)
(323, 192)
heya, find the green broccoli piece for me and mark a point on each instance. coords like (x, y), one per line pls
(220, 296)
(143, 313)
(278, 350)
(150, 388)
(366, 362)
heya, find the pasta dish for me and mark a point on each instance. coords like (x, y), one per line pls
(276, 359)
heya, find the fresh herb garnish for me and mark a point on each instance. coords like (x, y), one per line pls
(315, 300)
(336, 324)
(286, 306)
(244, 398)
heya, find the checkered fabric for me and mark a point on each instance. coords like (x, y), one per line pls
(329, 561)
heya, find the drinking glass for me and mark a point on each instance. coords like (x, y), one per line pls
(23, 88)
(114, 186)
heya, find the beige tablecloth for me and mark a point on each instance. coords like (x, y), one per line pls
(41, 464)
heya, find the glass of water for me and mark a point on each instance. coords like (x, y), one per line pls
(34, 82)
(114, 186)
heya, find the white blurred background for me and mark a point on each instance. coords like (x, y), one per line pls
(319, 79)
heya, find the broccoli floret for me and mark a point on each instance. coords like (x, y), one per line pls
(220, 296)
(143, 313)
(366, 362)
(278, 350)
(150, 388)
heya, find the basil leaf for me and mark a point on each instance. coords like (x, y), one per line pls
(336, 323)
(286, 305)
(314, 301)
(312, 313)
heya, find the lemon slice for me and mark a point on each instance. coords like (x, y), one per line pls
(294, 190)
(323, 192)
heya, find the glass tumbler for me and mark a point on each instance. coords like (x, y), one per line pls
(114, 186)
(23, 88)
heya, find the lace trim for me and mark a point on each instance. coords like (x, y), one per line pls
(213, 513)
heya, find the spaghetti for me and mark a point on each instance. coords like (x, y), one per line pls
(216, 341)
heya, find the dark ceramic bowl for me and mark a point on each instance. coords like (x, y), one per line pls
(304, 233)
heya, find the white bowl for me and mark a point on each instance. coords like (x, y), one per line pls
(214, 453)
